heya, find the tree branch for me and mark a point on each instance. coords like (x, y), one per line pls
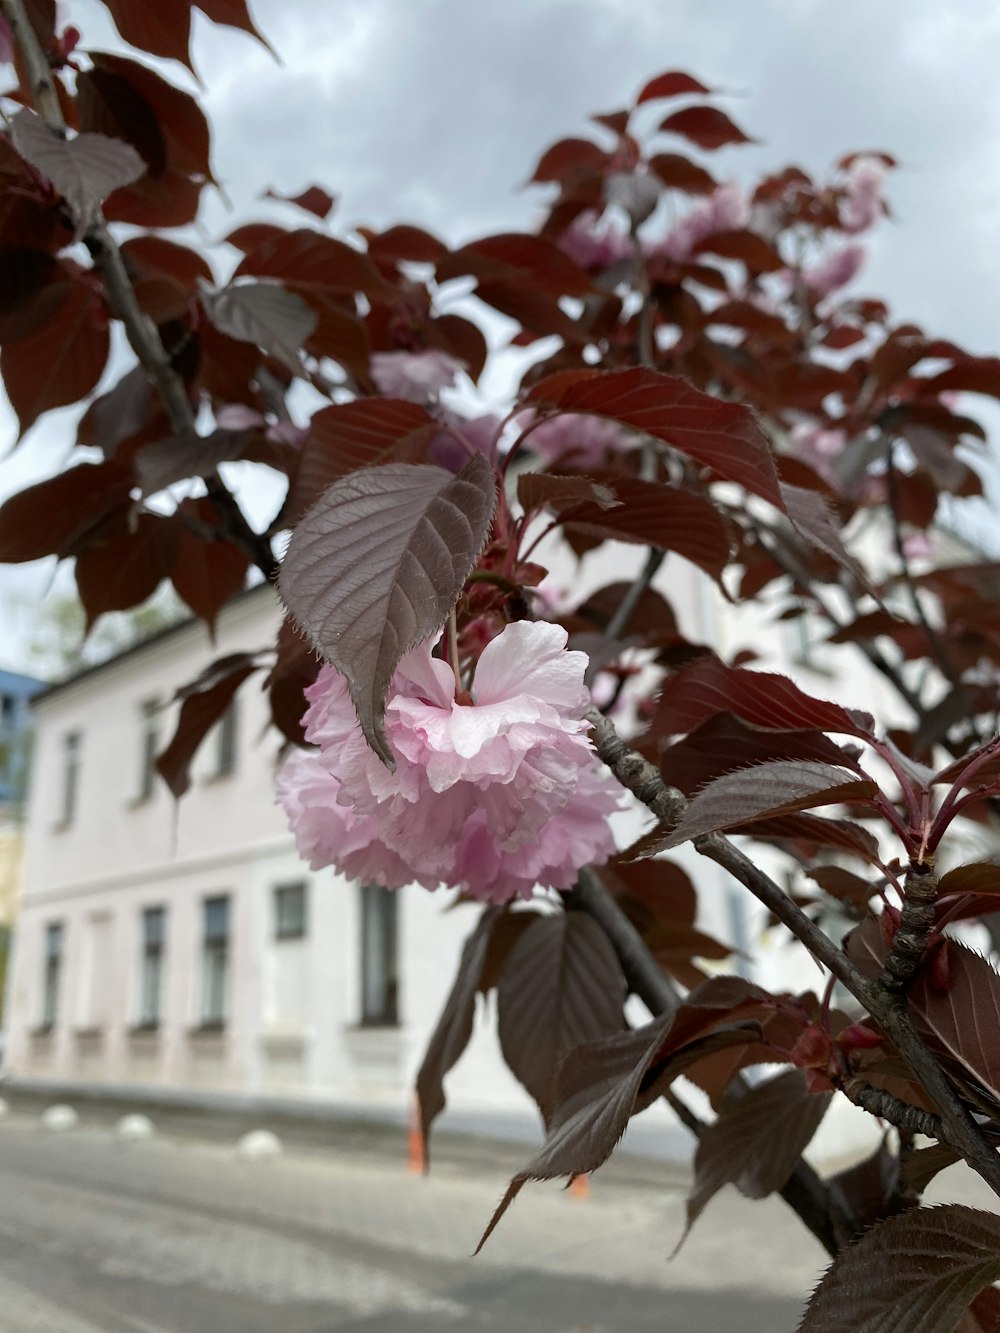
(141, 332)
(958, 1126)
(824, 1211)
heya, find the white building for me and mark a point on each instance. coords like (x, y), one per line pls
(186, 947)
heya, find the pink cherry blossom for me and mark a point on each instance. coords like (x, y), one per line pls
(836, 270)
(493, 797)
(724, 210)
(453, 448)
(594, 244)
(416, 376)
(577, 440)
(861, 203)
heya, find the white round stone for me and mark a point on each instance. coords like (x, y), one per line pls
(259, 1143)
(133, 1128)
(58, 1118)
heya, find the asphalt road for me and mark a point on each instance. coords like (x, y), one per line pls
(182, 1236)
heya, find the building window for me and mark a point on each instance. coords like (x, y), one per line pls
(149, 744)
(226, 738)
(71, 776)
(215, 962)
(290, 911)
(50, 978)
(379, 952)
(151, 966)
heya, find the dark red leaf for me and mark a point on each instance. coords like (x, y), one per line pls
(405, 243)
(808, 833)
(757, 1141)
(233, 14)
(653, 514)
(461, 339)
(973, 374)
(540, 490)
(313, 200)
(60, 360)
(295, 667)
(127, 409)
(454, 1027)
(706, 126)
(162, 29)
(177, 457)
(843, 885)
(723, 436)
(539, 314)
(561, 986)
(724, 743)
(348, 436)
(155, 256)
(131, 101)
(568, 158)
(764, 791)
(314, 259)
(204, 702)
(507, 930)
(916, 1273)
(674, 83)
(814, 521)
(253, 234)
(519, 259)
(596, 1091)
(124, 566)
(53, 517)
(979, 877)
(680, 173)
(416, 532)
(744, 245)
(762, 698)
(29, 283)
(207, 571)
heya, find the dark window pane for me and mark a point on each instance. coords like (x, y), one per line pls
(290, 911)
(379, 952)
(71, 775)
(226, 741)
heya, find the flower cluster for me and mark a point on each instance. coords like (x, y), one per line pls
(492, 796)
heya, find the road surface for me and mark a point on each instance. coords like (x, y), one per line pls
(176, 1235)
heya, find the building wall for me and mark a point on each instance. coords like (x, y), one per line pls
(294, 1018)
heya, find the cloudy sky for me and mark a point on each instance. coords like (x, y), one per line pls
(435, 111)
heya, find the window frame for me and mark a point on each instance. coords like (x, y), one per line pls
(151, 954)
(216, 947)
(52, 969)
(72, 763)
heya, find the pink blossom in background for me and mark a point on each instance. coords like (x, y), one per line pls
(237, 416)
(592, 243)
(478, 433)
(918, 546)
(492, 797)
(861, 204)
(724, 210)
(577, 440)
(415, 376)
(819, 447)
(836, 270)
